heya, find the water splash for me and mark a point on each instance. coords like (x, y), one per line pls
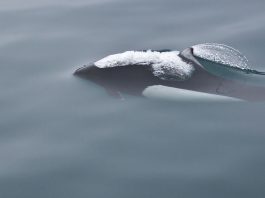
(225, 55)
(221, 54)
(165, 65)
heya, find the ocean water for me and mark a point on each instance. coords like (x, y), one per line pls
(62, 136)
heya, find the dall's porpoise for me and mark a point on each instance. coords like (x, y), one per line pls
(204, 71)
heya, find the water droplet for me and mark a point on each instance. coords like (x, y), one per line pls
(222, 54)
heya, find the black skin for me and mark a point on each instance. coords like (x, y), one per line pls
(133, 79)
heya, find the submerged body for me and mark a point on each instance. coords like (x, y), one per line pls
(136, 73)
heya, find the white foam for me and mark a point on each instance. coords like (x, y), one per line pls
(220, 53)
(165, 65)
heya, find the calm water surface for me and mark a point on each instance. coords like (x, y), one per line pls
(61, 136)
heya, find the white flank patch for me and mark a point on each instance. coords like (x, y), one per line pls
(176, 94)
(165, 65)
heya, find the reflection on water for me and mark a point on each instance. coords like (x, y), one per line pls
(65, 137)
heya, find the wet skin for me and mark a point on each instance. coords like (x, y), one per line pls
(133, 79)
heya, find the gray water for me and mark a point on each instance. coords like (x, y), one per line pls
(62, 136)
